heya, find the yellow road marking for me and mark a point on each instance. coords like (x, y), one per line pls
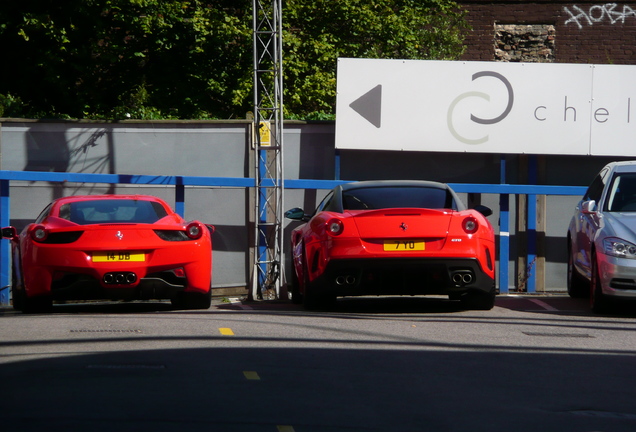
(285, 428)
(251, 375)
(226, 331)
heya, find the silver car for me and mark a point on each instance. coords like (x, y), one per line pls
(602, 238)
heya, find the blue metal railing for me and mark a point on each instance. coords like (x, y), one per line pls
(181, 182)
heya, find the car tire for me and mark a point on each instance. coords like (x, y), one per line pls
(296, 296)
(599, 303)
(576, 284)
(26, 304)
(314, 297)
(16, 293)
(39, 304)
(311, 300)
(192, 300)
(478, 300)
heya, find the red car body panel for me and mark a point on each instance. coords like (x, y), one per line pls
(440, 230)
(371, 244)
(50, 268)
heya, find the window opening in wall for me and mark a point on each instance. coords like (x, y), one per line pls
(524, 43)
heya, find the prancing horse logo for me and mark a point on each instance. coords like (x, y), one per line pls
(119, 235)
(404, 226)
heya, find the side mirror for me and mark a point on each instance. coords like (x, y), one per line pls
(588, 207)
(211, 228)
(10, 233)
(486, 211)
(296, 214)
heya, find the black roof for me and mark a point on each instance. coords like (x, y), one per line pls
(394, 183)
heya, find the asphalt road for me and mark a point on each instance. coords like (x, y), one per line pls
(396, 364)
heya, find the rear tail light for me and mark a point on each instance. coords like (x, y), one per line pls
(335, 227)
(470, 225)
(39, 233)
(194, 231)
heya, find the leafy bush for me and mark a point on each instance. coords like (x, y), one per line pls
(176, 59)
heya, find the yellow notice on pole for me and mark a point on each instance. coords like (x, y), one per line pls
(265, 133)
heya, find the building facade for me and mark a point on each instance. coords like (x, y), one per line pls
(551, 31)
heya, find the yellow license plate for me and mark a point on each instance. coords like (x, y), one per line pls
(404, 245)
(118, 256)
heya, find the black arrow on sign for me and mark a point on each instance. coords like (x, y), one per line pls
(369, 106)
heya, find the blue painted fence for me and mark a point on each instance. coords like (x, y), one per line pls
(181, 182)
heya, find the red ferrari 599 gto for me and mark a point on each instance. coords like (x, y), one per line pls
(111, 247)
(393, 238)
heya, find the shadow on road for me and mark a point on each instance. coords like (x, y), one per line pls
(216, 388)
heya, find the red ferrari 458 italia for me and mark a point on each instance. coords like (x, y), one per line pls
(110, 247)
(393, 238)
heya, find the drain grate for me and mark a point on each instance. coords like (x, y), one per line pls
(126, 366)
(563, 335)
(105, 331)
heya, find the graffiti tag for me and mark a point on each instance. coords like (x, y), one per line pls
(609, 12)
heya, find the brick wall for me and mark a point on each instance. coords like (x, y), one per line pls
(585, 31)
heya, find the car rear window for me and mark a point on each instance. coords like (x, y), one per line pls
(397, 197)
(113, 211)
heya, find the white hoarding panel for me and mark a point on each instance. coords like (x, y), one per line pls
(614, 111)
(481, 107)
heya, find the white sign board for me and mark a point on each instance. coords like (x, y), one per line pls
(486, 107)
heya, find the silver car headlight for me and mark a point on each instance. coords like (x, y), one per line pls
(619, 248)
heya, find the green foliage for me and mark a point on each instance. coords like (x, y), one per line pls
(152, 59)
(10, 106)
(145, 58)
(318, 32)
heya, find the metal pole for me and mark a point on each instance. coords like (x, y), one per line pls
(504, 231)
(268, 271)
(5, 253)
(532, 226)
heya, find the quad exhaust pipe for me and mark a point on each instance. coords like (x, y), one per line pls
(120, 278)
(461, 278)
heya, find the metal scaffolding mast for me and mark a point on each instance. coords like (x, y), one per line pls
(268, 272)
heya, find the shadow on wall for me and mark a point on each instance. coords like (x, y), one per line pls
(88, 151)
(413, 165)
(316, 161)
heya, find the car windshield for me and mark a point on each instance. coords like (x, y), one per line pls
(622, 193)
(113, 211)
(397, 197)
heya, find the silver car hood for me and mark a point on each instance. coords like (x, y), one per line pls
(622, 225)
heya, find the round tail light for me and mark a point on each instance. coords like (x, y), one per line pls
(39, 233)
(470, 225)
(194, 231)
(335, 227)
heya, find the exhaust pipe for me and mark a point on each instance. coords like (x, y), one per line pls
(123, 278)
(345, 280)
(462, 277)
